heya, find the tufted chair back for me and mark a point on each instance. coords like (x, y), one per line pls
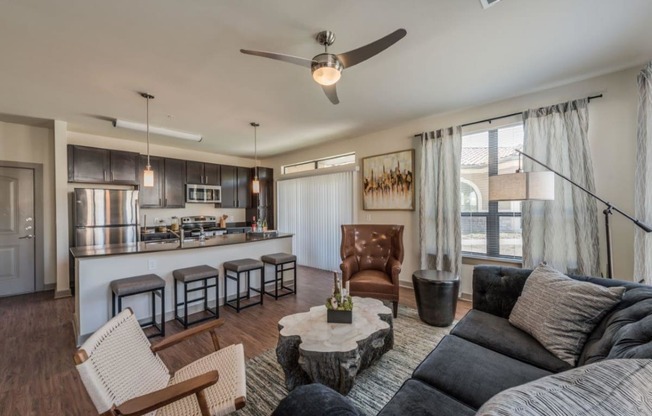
(371, 260)
(372, 244)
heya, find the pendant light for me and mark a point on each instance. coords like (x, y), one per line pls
(148, 174)
(255, 184)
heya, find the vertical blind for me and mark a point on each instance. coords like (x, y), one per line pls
(313, 208)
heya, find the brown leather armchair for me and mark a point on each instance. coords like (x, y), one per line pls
(371, 260)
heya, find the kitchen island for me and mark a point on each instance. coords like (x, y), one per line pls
(97, 266)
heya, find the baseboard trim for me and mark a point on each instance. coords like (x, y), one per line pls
(59, 294)
(466, 296)
(49, 286)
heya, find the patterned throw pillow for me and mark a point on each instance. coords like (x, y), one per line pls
(561, 312)
(606, 388)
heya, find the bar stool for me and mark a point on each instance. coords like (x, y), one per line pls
(200, 274)
(279, 260)
(242, 266)
(147, 283)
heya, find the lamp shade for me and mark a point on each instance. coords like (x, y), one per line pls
(148, 178)
(522, 186)
(326, 75)
(255, 185)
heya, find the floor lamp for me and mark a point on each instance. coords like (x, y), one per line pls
(523, 186)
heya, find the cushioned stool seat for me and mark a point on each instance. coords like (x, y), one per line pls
(279, 260)
(147, 283)
(199, 274)
(242, 266)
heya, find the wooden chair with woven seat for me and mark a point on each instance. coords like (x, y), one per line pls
(124, 375)
(371, 260)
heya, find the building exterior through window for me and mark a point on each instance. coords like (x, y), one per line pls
(490, 229)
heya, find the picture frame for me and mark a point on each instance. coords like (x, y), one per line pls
(388, 181)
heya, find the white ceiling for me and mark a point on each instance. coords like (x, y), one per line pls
(83, 61)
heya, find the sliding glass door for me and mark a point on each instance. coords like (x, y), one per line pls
(314, 208)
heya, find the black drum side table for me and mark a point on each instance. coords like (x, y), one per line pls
(436, 294)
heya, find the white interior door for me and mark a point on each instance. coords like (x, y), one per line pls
(17, 271)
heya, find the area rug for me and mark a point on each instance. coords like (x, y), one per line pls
(373, 387)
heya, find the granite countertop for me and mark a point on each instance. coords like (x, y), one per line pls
(151, 247)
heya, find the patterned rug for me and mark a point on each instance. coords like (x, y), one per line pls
(373, 388)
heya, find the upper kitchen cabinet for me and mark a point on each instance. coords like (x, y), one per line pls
(236, 184)
(198, 173)
(174, 183)
(93, 165)
(124, 167)
(152, 197)
(244, 188)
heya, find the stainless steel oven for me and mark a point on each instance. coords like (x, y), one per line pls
(203, 193)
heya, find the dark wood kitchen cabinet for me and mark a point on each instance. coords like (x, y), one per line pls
(174, 183)
(243, 199)
(94, 165)
(151, 197)
(198, 173)
(262, 204)
(236, 187)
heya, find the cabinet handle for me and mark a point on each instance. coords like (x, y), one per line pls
(104, 174)
(206, 179)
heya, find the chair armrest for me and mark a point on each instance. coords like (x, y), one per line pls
(393, 269)
(496, 289)
(182, 336)
(349, 267)
(148, 402)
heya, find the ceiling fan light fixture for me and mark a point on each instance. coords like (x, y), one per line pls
(326, 69)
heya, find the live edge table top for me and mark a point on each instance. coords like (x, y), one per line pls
(310, 349)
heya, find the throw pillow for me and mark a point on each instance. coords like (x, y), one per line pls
(606, 388)
(561, 312)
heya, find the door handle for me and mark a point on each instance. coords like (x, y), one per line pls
(26, 237)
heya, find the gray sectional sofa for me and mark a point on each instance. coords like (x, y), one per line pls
(485, 355)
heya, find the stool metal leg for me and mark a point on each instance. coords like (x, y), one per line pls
(163, 311)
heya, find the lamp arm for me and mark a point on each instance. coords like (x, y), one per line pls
(640, 224)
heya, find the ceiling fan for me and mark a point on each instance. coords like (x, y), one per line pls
(327, 67)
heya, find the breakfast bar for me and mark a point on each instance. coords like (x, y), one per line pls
(97, 266)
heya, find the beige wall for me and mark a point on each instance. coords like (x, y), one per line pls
(29, 144)
(612, 135)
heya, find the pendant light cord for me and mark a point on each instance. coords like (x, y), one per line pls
(148, 165)
(255, 126)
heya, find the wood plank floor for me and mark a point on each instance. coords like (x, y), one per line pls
(37, 373)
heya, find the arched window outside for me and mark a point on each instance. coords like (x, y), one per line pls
(469, 198)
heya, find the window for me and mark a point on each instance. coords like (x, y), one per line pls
(490, 228)
(327, 162)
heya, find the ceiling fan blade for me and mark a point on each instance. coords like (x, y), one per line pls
(354, 57)
(280, 57)
(331, 93)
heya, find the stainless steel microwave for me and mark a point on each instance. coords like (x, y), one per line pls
(203, 193)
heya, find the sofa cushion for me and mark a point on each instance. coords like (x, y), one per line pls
(315, 400)
(628, 326)
(416, 398)
(499, 335)
(561, 312)
(471, 373)
(607, 388)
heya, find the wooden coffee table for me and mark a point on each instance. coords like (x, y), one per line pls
(311, 350)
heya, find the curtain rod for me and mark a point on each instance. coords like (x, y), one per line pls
(489, 120)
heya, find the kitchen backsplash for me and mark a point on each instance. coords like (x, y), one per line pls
(235, 214)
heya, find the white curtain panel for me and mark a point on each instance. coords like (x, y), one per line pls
(643, 194)
(563, 232)
(439, 201)
(313, 208)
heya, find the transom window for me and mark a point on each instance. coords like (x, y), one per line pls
(327, 162)
(490, 229)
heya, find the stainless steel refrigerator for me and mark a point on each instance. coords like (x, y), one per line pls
(105, 216)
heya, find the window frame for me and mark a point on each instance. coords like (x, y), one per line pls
(315, 163)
